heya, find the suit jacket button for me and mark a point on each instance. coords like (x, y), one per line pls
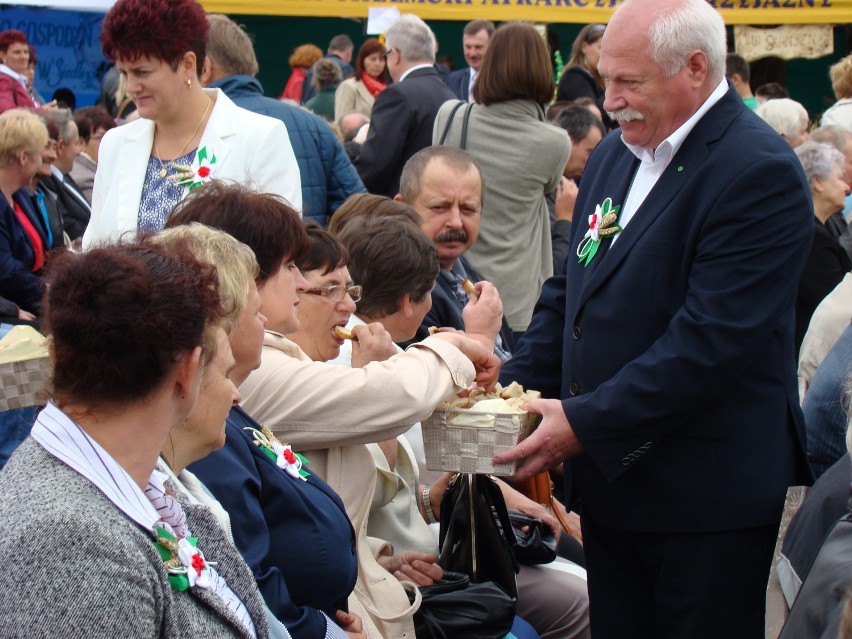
(573, 388)
(576, 332)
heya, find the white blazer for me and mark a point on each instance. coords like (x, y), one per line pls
(251, 149)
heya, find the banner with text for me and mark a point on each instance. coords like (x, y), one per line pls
(577, 11)
(791, 41)
(68, 47)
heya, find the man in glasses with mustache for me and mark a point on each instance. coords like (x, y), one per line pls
(444, 185)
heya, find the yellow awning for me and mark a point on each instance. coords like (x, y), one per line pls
(576, 11)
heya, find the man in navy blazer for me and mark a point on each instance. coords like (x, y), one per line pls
(404, 113)
(475, 38)
(665, 350)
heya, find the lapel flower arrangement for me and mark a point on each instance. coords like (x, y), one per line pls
(282, 454)
(183, 561)
(602, 224)
(199, 173)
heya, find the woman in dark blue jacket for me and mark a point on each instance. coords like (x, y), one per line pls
(291, 529)
(23, 240)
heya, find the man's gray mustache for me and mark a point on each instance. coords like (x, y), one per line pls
(625, 115)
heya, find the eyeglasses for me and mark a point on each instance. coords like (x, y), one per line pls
(337, 292)
(386, 54)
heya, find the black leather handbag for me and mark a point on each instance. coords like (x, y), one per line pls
(475, 533)
(534, 541)
(454, 608)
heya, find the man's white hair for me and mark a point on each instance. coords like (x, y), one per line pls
(412, 38)
(693, 25)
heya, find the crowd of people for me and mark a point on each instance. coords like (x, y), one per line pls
(645, 238)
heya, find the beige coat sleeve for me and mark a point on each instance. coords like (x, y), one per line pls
(316, 405)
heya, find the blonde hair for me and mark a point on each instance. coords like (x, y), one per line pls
(841, 78)
(20, 130)
(235, 263)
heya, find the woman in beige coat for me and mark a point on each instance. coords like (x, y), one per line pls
(325, 411)
(359, 92)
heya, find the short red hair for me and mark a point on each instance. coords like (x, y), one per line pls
(10, 37)
(163, 29)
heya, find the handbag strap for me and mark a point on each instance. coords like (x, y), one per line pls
(539, 488)
(464, 124)
(449, 123)
(409, 586)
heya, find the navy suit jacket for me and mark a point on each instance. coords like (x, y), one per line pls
(400, 125)
(295, 535)
(672, 351)
(447, 310)
(17, 280)
(459, 83)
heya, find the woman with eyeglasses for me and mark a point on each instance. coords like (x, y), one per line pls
(319, 409)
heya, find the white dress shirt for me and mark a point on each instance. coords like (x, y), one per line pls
(655, 161)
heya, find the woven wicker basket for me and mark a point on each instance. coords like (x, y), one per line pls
(452, 446)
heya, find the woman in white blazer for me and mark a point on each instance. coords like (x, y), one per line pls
(186, 135)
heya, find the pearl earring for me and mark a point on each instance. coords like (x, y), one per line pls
(188, 82)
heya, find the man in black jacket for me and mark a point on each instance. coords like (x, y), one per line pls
(404, 113)
(76, 209)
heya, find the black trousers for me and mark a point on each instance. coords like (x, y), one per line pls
(677, 586)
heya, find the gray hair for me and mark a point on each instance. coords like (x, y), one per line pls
(819, 160)
(694, 25)
(62, 119)
(784, 115)
(837, 136)
(412, 38)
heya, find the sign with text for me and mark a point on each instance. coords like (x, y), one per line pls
(809, 41)
(577, 11)
(68, 47)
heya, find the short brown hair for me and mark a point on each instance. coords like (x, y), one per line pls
(389, 257)
(325, 252)
(264, 222)
(119, 316)
(230, 47)
(90, 119)
(410, 182)
(475, 26)
(516, 66)
(363, 205)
